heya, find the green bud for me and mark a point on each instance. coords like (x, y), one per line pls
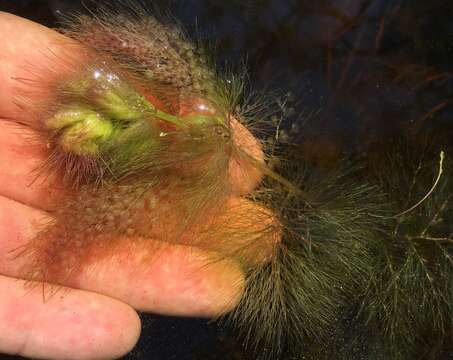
(69, 116)
(84, 137)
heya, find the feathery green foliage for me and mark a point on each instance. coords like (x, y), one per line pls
(364, 268)
(297, 299)
(409, 299)
(141, 129)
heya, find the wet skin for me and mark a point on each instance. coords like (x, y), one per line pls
(98, 319)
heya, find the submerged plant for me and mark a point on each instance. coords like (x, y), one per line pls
(149, 139)
(409, 297)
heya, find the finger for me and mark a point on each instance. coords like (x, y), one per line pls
(245, 230)
(21, 162)
(73, 325)
(245, 176)
(177, 281)
(34, 45)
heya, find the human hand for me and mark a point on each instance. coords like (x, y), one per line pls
(96, 319)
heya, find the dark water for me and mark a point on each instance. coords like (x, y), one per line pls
(352, 71)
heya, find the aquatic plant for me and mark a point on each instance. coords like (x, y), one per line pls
(144, 132)
(408, 299)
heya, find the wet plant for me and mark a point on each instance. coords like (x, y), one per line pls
(148, 136)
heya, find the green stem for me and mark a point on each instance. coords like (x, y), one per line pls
(168, 118)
